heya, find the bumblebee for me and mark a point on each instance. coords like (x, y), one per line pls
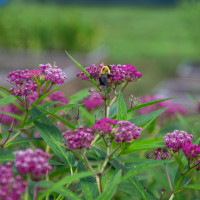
(104, 75)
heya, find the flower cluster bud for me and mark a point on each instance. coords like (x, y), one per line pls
(33, 162)
(160, 154)
(11, 187)
(78, 138)
(176, 140)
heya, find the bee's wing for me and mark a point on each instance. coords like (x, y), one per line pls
(94, 75)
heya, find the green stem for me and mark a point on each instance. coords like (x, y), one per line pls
(99, 185)
(11, 139)
(168, 177)
(105, 106)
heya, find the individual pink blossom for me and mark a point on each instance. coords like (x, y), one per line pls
(93, 101)
(78, 138)
(177, 139)
(160, 154)
(31, 161)
(172, 108)
(11, 187)
(119, 73)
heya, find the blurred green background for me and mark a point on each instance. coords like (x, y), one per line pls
(153, 38)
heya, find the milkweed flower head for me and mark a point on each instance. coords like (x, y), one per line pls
(11, 187)
(78, 138)
(177, 139)
(191, 151)
(24, 82)
(33, 162)
(93, 101)
(172, 108)
(120, 73)
(121, 131)
(160, 154)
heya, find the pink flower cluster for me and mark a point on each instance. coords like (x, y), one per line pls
(105, 126)
(120, 73)
(78, 138)
(160, 154)
(93, 101)
(122, 131)
(11, 188)
(176, 140)
(31, 161)
(53, 74)
(127, 132)
(172, 108)
(58, 96)
(191, 151)
(5, 119)
(24, 80)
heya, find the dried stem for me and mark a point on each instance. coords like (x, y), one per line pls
(167, 173)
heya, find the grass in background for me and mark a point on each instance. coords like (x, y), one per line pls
(155, 40)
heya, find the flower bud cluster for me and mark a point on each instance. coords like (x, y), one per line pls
(53, 74)
(127, 132)
(191, 151)
(31, 161)
(24, 82)
(78, 138)
(11, 188)
(121, 131)
(119, 73)
(176, 140)
(105, 126)
(160, 154)
(93, 101)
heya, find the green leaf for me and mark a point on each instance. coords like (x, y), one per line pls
(25, 140)
(67, 193)
(141, 167)
(6, 156)
(139, 120)
(178, 161)
(83, 69)
(7, 100)
(133, 187)
(194, 187)
(66, 180)
(143, 145)
(18, 98)
(12, 115)
(51, 135)
(54, 162)
(56, 116)
(87, 115)
(145, 105)
(121, 108)
(112, 187)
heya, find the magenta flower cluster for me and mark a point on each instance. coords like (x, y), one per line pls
(127, 132)
(58, 96)
(78, 138)
(31, 161)
(120, 73)
(93, 101)
(53, 74)
(105, 126)
(176, 140)
(191, 151)
(160, 154)
(122, 131)
(24, 80)
(11, 187)
(172, 108)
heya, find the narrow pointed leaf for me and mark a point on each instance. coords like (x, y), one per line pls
(121, 108)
